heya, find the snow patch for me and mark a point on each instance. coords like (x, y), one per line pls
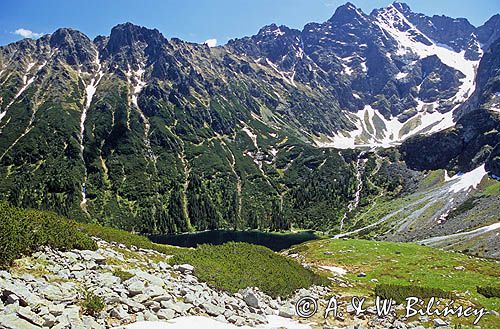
(335, 269)
(401, 75)
(252, 136)
(287, 76)
(467, 181)
(90, 90)
(388, 132)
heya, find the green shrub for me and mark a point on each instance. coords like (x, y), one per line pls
(489, 291)
(23, 231)
(91, 303)
(400, 292)
(236, 265)
(123, 275)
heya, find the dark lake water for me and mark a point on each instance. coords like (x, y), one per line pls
(274, 241)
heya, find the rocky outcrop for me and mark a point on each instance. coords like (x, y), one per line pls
(461, 148)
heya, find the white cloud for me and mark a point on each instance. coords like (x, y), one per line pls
(211, 42)
(25, 33)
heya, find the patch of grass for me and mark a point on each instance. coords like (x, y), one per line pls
(407, 264)
(489, 291)
(23, 231)
(237, 265)
(123, 275)
(399, 293)
(91, 303)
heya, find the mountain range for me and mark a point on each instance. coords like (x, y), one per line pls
(314, 128)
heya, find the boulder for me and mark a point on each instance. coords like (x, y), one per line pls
(27, 314)
(134, 286)
(184, 268)
(165, 314)
(250, 298)
(118, 312)
(212, 309)
(12, 321)
(154, 291)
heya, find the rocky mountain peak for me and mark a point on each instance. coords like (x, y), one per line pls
(401, 7)
(273, 30)
(347, 13)
(129, 35)
(489, 31)
(131, 45)
(75, 47)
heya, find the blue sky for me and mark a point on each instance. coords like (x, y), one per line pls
(200, 20)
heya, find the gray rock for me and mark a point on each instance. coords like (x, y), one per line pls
(440, 323)
(139, 316)
(12, 321)
(256, 317)
(191, 299)
(165, 314)
(12, 299)
(151, 279)
(221, 318)
(90, 255)
(152, 305)
(237, 320)
(250, 298)
(141, 298)
(90, 323)
(26, 297)
(56, 310)
(58, 294)
(286, 312)
(27, 314)
(184, 268)
(134, 286)
(77, 267)
(154, 291)
(178, 307)
(118, 312)
(162, 298)
(136, 307)
(164, 266)
(362, 275)
(212, 309)
(72, 315)
(150, 316)
(49, 320)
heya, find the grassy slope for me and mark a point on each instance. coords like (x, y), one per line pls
(407, 264)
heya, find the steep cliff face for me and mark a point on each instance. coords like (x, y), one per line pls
(475, 137)
(160, 135)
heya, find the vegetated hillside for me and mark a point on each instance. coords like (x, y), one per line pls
(159, 135)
